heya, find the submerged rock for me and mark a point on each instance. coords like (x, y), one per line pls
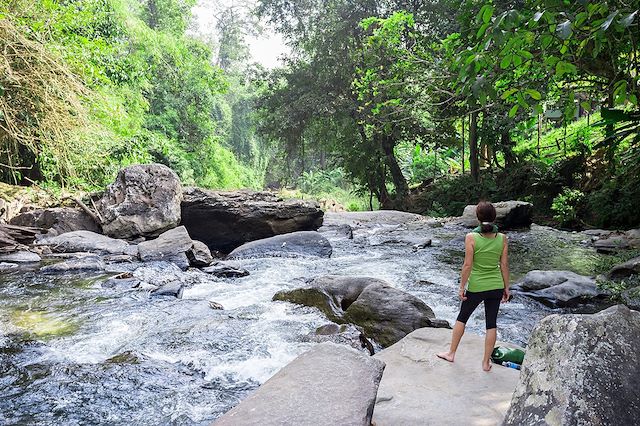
(559, 288)
(226, 220)
(57, 220)
(172, 289)
(144, 200)
(581, 369)
(385, 313)
(509, 215)
(171, 246)
(329, 384)
(79, 241)
(295, 244)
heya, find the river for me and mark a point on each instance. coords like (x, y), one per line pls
(73, 352)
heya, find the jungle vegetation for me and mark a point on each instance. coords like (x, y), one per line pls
(422, 105)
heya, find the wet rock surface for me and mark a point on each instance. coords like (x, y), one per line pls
(144, 200)
(329, 384)
(295, 244)
(199, 254)
(225, 270)
(509, 215)
(560, 288)
(226, 220)
(20, 257)
(342, 334)
(626, 269)
(580, 369)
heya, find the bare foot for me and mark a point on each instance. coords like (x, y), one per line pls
(447, 356)
(486, 365)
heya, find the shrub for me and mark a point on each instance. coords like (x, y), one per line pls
(566, 207)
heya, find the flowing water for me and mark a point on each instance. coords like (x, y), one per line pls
(74, 352)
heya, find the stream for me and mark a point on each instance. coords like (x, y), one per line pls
(73, 352)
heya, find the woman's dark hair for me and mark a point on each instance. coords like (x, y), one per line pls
(486, 214)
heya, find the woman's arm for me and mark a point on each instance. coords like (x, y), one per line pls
(467, 265)
(504, 268)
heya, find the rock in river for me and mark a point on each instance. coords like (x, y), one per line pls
(20, 257)
(626, 269)
(328, 385)
(385, 313)
(171, 246)
(559, 288)
(57, 220)
(79, 241)
(509, 215)
(144, 200)
(226, 220)
(581, 370)
(295, 244)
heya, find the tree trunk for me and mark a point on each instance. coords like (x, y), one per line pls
(399, 182)
(505, 143)
(153, 14)
(474, 164)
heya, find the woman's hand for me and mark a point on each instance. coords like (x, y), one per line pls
(461, 294)
(505, 295)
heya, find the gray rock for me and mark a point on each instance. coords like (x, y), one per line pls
(6, 266)
(199, 254)
(215, 305)
(144, 200)
(172, 289)
(295, 244)
(170, 246)
(57, 220)
(345, 230)
(121, 283)
(328, 385)
(626, 269)
(509, 215)
(79, 241)
(226, 220)
(559, 288)
(631, 298)
(384, 313)
(223, 270)
(20, 257)
(388, 314)
(89, 263)
(580, 370)
(612, 243)
(419, 389)
(633, 236)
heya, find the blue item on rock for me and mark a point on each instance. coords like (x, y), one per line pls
(511, 365)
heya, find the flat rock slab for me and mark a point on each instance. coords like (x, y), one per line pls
(420, 389)
(328, 385)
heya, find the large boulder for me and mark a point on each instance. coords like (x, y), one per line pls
(328, 385)
(144, 200)
(419, 389)
(384, 313)
(20, 257)
(559, 288)
(57, 220)
(509, 215)
(579, 370)
(87, 241)
(226, 220)
(171, 246)
(626, 269)
(295, 244)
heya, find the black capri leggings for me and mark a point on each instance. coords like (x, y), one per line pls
(491, 299)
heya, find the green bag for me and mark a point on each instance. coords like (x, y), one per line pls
(501, 354)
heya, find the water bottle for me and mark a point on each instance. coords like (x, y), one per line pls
(511, 365)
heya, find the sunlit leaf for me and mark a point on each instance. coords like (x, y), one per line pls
(534, 94)
(607, 22)
(513, 111)
(537, 16)
(628, 20)
(564, 30)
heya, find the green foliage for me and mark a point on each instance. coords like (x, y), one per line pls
(566, 206)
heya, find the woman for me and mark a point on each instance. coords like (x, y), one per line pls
(486, 268)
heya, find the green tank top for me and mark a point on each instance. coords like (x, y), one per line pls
(485, 273)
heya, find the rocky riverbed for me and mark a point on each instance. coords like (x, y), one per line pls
(79, 348)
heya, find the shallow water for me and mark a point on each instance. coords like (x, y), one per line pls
(73, 352)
